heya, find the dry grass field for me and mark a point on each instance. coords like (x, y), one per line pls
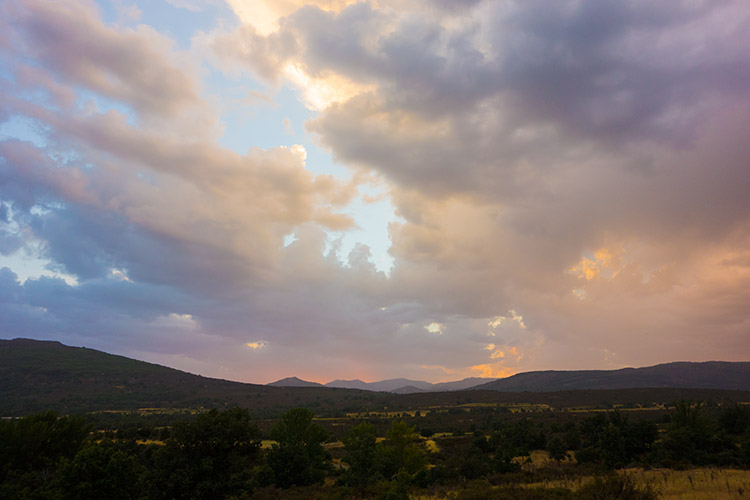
(697, 484)
(692, 484)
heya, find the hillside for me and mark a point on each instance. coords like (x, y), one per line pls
(706, 375)
(43, 375)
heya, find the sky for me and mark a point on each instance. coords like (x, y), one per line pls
(333, 189)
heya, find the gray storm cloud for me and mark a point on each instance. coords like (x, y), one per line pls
(571, 181)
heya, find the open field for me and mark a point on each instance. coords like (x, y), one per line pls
(691, 484)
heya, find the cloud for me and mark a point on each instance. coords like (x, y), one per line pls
(435, 328)
(570, 182)
(132, 66)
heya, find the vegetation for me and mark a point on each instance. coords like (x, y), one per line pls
(219, 454)
(144, 433)
(298, 458)
(37, 376)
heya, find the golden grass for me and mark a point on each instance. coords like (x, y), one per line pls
(431, 446)
(388, 414)
(698, 484)
(693, 484)
(150, 441)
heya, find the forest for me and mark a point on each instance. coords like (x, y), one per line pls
(462, 453)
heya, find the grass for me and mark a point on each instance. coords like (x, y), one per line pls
(698, 484)
(693, 484)
(388, 414)
(431, 446)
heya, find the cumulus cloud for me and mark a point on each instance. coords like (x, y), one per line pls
(571, 183)
(132, 66)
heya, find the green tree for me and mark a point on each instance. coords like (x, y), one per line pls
(99, 471)
(735, 419)
(209, 457)
(613, 440)
(401, 451)
(556, 448)
(299, 458)
(689, 437)
(360, 446)
(30, 449)
(516, 440)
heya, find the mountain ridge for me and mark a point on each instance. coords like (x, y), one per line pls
(726, 375)
(39, 375)
(47, 375)
(394, 385)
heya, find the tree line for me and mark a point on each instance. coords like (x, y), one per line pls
(221, 454)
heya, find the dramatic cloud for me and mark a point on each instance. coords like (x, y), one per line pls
(569, 181)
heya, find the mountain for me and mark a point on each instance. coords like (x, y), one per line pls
(706, 375)
(408, 389)
(348, 384)
(389, 385)
(44, 375)
(294, 382)
(406, 386)
(460, 385)
(392, 384)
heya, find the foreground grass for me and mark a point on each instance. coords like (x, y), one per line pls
(693, 484)
(698, 484)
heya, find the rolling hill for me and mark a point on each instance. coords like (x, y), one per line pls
(45, 375)
(707, 375)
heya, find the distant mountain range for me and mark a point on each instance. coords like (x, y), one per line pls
(394, 385)
(44, 375)
(706, 375)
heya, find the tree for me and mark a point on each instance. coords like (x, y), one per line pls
(613, 440)
(30, 449)
(400, 451)
(735, 419)
(298, 458)
(38, 441)
(360, 446)
(556, 448)
(99, 471)
(210, 457)
(689, 437)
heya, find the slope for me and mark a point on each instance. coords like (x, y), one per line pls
(705, 375)
(44, 375)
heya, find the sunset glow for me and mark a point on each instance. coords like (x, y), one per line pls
(337, 189)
